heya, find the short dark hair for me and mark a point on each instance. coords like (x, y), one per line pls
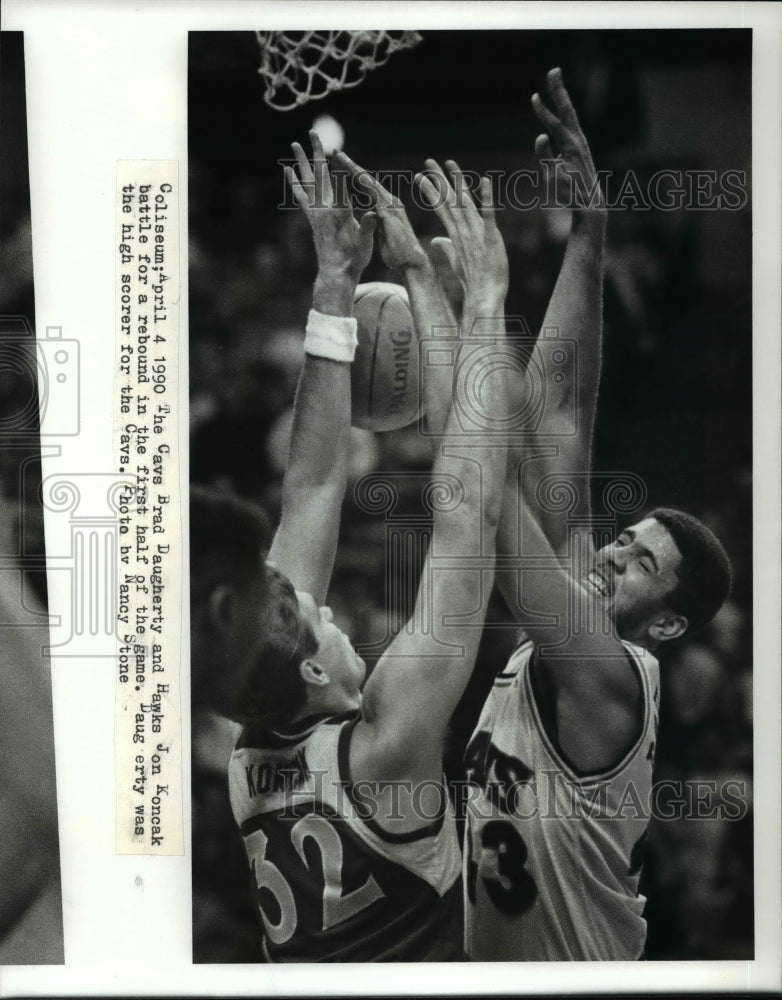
(704, 572)
(276, 689)
(228, 538)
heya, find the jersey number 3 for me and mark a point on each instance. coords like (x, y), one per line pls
(508, 884)
(336, 906)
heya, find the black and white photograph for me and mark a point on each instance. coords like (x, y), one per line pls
(471, 422)
(390, 498)
(31, 931)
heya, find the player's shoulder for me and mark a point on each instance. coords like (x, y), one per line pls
(281, 738)
(588, 665)
(643, 658)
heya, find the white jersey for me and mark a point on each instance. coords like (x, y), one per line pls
(331, 883)
(553, 857)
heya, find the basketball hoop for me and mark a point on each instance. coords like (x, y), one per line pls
(301, 66)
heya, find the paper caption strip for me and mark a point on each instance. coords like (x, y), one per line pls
(148, 727)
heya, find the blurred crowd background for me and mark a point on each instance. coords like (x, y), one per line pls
(675, 401)
(21, 523)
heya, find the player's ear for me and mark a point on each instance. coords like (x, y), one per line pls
(669, 626)
(221, 610)
(313, 673)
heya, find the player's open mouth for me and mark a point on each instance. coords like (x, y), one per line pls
(598, 583)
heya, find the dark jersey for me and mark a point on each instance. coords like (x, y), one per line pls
(331, 884)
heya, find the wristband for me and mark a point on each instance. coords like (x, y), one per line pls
(333, 337)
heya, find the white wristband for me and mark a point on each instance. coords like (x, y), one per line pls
(333, 337)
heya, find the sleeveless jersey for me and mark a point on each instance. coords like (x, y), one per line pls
(329, 883)
(553, 857)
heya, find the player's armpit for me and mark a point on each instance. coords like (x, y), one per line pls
(382, 750)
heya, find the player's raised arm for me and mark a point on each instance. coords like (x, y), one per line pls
(314, 484)
(574, 315)
(432, 315)
(412, 692)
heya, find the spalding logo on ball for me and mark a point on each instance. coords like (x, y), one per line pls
(385, 375)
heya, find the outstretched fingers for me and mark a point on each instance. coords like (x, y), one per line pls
(454, 204)
(437, 190)
(563, 134)
(433, 195)
(368, 225)
(543, 148)
(546, 117)
(312, 188)
(365, 181)
(305, 170)
(324, 194)
(486, 200)
(561, 99)
(428, 190)
(561, 123)
(444, 255)
(463, 202)
(339, 183)
(298, 191)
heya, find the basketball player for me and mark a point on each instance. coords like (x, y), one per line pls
(561, 760)
(337, 786)
(554, 851)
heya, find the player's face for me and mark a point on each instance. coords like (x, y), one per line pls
(636, 574)
(336, 656)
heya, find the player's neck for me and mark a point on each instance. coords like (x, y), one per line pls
(640, 637)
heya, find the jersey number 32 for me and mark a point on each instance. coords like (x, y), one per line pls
(336, 905)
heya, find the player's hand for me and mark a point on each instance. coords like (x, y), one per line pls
(343, 246)
(474, 247)
(564, 151)
(399, 246)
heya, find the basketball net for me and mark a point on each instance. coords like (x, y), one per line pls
(301, 66)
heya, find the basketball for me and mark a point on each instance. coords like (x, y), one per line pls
(385, 373)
